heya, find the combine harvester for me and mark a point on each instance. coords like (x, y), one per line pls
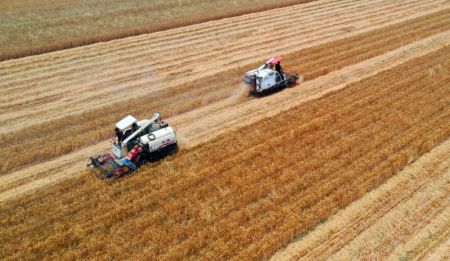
(136, 143)
(269, 77)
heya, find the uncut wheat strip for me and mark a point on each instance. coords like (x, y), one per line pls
(342, 227)
(193, 32)
(348, 54)
(28, 121)
(189, 119)
(310, 90)
(380, 239)
(425, 240)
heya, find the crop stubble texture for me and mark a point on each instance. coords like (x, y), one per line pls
(58, 137)
(247, 193)
(406, 217)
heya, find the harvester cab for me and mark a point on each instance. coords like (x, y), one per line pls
(136, 143)
(269, 76)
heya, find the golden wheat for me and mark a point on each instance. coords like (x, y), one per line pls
(245, 194)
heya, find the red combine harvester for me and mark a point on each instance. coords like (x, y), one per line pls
(137, 142)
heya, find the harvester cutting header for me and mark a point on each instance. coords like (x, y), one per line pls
(136, 143)
(269, 76)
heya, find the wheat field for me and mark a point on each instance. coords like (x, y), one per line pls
(342, 166)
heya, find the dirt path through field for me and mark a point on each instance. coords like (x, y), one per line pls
(406, 217)
(49, 86)
(207, 122)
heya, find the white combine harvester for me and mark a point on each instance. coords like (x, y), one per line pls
(136, 143)
(269, 76)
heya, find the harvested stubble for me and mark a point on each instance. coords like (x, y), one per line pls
(394, 211)
(35, 27)
(247, 193)
(58, 137)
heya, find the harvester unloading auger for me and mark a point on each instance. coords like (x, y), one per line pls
(269, 76)
(136, 143)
